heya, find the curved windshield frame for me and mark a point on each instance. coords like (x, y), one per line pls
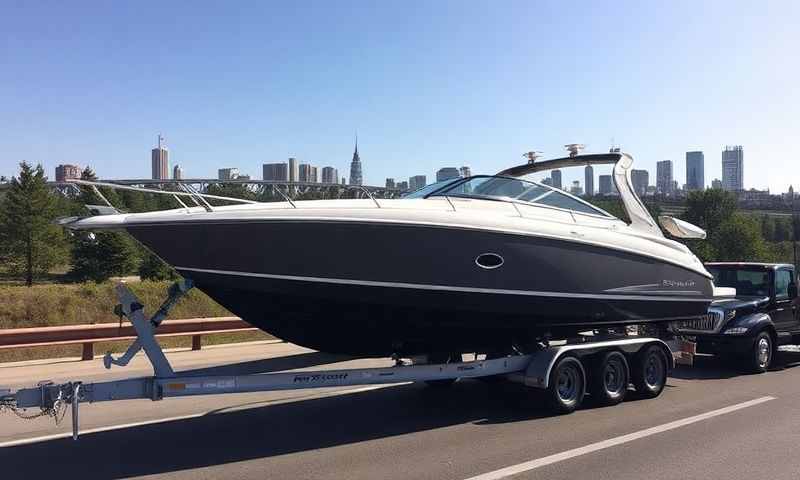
(516, 190)
(427, 190)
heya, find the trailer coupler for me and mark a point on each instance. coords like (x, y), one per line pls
(53, 401)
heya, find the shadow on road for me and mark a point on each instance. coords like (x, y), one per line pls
(267, 431)
(711, 367)
(277, 364)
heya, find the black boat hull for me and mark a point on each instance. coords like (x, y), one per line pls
(373, 289)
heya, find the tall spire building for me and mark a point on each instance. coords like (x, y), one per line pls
(356, 177)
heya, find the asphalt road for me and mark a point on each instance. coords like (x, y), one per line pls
(710, 422)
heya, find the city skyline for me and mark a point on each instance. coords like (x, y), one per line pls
(660, 96)
(665, 184)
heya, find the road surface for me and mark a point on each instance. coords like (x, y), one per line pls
(710, 423)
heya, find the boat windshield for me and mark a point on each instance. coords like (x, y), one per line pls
(428, 189)
(517, 190)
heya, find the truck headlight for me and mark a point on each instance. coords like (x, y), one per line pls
(735, 331)
(730, 314)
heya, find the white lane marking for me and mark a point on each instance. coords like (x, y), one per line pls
(56, 436)
(612, 442)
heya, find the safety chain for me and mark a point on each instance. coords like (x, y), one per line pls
(57, 411)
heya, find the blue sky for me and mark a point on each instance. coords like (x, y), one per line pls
(425, 84)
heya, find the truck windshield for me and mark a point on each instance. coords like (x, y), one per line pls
(748, 282)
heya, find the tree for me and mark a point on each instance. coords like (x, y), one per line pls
(783, 230)
(101, 255)
(709, 209)
(30, 243)
(153, 268)
(231, 190)
(768, 228)
(738, 239)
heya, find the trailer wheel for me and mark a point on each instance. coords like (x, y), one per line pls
(609, 381)
(567, 385)
(650, 371)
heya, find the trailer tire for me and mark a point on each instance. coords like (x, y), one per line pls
(609, 380)
(567, 385)
(650, 371)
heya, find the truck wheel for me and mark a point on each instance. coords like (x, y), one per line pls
(609, 380)
(760, 356)
(650, 371)
(567, 385)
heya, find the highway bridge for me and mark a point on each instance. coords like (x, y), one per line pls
(294, 189)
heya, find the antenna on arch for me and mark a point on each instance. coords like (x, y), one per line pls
(532, 155)
(574, 149)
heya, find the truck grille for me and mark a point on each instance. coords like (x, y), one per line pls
(709, 322)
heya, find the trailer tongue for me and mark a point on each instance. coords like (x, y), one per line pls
(563, 373)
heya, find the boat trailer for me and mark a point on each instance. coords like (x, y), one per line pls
(564, 372)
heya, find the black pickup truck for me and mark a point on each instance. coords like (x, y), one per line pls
(750, 325)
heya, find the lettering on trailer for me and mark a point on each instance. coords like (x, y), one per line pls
(678, 283)
(320, 377)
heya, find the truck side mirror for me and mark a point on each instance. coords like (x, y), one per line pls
(681, 229)
(792, 290)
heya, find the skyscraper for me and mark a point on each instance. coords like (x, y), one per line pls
(329, 175)
(228, 173)
(177, 173)
(605, 184)
(664, 177)
(576, 189)
(416, 182)
(640, 180)
(314, 174)
(390, 182)
(306, 173)
(589, 180)
(695, 171)
(65, 172)
(294, 173)
(555, 177)
(465, 171)
(159, 157)
(733, 168)
(446, 173)
(276, 172)
(356, 175)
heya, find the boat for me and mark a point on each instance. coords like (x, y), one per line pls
(486, 263)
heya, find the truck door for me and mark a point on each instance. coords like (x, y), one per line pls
(785, 312)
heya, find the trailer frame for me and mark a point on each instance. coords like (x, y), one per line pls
(534, 369)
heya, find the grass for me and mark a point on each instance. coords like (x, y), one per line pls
(84, 303)
(53, 304)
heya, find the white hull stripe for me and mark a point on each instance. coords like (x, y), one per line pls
(447, 288)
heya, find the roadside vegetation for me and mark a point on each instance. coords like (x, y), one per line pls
(733, 234)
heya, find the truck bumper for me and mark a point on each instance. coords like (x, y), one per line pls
(722, 344)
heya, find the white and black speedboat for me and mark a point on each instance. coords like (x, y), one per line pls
(473, 264)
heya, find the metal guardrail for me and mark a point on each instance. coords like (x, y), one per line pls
(88, 335)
